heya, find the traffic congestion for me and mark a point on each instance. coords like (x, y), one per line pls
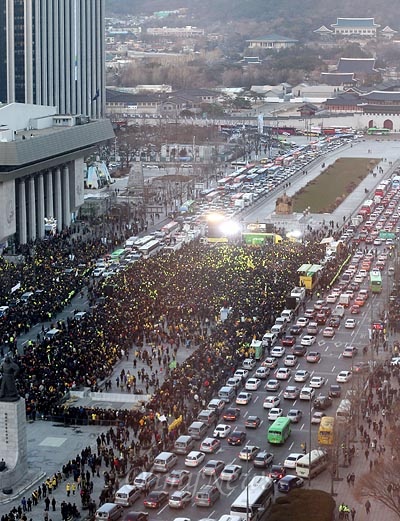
(272, 421)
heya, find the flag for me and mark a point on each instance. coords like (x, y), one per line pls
(96, 96)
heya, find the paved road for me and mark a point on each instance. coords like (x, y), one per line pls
(50, 446)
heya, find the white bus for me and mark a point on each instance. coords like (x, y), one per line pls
(343, 412)
(255, 499)
(141, 242)
(311, 464)
(150, 248)
(171, 227)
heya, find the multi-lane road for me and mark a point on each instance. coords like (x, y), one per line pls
(330, 364)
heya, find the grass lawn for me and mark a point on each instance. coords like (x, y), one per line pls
(327, 191)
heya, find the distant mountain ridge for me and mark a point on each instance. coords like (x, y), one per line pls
(285, 13)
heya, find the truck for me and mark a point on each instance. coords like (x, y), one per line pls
(344, 300)
(338, 311)
(298, 293)
(356, 220)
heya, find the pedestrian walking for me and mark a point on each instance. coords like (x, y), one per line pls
(368, 506)
(353, 514)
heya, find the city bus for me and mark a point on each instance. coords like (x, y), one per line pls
(150, 248)
(279, 431)
(117, 255)
(343, 412)
(188, 206)
(312, 464)
(142, 241)
(254, 500)
(378, 131)
(326, 431)
(170, 227)
(375, 281)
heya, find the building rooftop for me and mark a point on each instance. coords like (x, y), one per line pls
(382, 96)
(355, 22)
(356, 65)
(273, 38)
(337, 78)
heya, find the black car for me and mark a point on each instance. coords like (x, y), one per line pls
(136, 516)
(236, 438)
(277, 472)
(231, 414)
(299, 350)
(156, 499)
(334, 322)
(335, 391)
(296, 330)
(322, 402)
(252, 422)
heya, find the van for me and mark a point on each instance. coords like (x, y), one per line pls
(127, 495)
(197, 430)
(269, 339)
(145, 480)
(207, 416)
(109, 512)
(52, 333)
(278, 329)
(288, 314)
(183, 445)
(207, 496)
(226, 393)
(164, 462)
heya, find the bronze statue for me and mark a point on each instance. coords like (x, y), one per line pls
(8, 389)
(284, 205)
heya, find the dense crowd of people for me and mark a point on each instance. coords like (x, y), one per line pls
(154, 307)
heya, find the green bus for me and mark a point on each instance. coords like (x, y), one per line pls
(378, 131)
(375, 281)
(279, 431)
(117, 255)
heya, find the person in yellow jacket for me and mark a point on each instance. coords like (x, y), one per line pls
(73, 488)
(68, 489)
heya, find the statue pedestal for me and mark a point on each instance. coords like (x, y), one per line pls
(13, 443)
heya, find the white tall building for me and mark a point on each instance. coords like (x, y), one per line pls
(52, 53)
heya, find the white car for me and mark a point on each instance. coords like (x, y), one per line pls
(301, 375)
(307, 393)
(234, 381)
(210, 445)
(290, 461)
(249, 363)
(350, 323)
(243, 398)
(231, 473)
(271, 401)
(290, 360)
(262, 373)
(343, 377)
(194, 458)
(307, 340)
(316, 382)
(302, 322)
(252, 384)
(241, 373)
(283, 373)
(277, 351)
(222, 430)
(332, 298)
(274, 413)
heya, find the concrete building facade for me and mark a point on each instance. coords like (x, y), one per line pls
(52, 53)
(42, 167)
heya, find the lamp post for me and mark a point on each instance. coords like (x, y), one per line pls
(309, 445)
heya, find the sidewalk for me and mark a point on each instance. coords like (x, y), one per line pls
(343, 491)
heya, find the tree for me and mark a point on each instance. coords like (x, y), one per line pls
(382, 485)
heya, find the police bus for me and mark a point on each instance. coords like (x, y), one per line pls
(256, 498)
(311, 464)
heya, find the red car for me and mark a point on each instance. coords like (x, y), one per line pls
(355, 309)
(288, 341)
